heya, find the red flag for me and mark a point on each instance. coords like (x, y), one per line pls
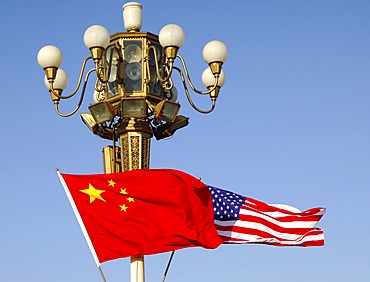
(141, 212)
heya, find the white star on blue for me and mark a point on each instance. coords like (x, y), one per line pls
(226, 205)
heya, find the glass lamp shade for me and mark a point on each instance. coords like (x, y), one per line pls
(60, 81)
(88, 119)
(96, 36)
(132, 16)
(167, 110)
(134, 108)
(98, 96)
(49, 57)
(134, 71)
(101, 112)
(171, 35)
(132, 53)
(209, 80)
(215, 51)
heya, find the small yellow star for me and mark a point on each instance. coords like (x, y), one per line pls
(123, 191)
(130, 199)
(123, 208)
(93, 193)
(111, 183)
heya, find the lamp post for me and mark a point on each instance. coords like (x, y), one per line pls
(134, 93)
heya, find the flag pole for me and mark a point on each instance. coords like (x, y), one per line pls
(168, 266)
(102, 274)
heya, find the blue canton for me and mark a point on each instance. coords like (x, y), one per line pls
(226, 205)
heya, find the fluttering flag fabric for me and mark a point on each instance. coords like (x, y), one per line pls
(141, 212)
(240, 219)
(151, 211)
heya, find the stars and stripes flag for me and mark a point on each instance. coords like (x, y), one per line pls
(240, 219)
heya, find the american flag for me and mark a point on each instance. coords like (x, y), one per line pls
(240, 219)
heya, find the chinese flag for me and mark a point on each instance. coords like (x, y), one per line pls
(141, 212)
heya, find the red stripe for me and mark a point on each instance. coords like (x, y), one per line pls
(274, 226)
(266, 235)
(292, 231)
(301, 244)
(289, 218)
(314, 214)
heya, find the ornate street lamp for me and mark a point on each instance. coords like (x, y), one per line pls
(134, 93)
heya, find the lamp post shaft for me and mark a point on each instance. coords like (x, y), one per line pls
(133, 153)
(137, 273)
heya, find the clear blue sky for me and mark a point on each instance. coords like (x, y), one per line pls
(292, 125)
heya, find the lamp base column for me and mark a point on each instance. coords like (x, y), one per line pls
(137, 269)
(135, 152)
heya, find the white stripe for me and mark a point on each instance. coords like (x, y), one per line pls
(321, 211)
(277, 214)
(294, 224)
(244, 238)
(264, 228)
(279, 206)
(286, 207)
(290, 224)
(79, 219)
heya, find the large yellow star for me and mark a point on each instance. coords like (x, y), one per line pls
(93, 193)
(111, 183)
(123, 208)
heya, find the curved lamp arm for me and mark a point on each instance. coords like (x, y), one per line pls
(189, 97)
(52, 90)
(56, 103)
(169, 68)
(217, 76)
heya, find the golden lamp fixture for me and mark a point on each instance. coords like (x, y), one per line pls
(133, 80)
